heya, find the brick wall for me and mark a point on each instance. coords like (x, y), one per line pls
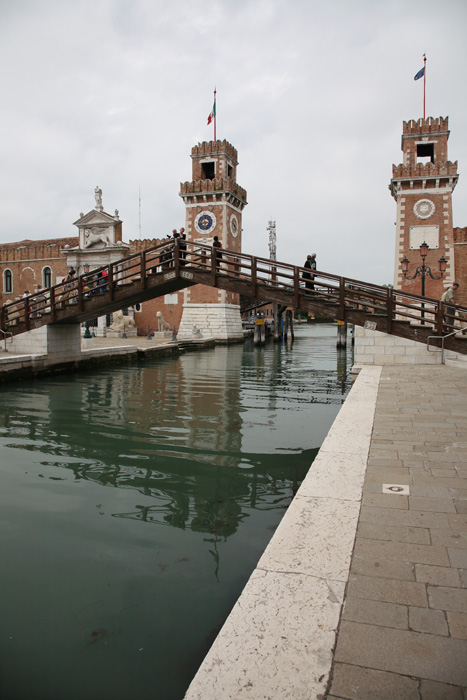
(460, 248)
(27, 260)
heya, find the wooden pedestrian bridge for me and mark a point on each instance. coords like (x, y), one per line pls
(156, 271)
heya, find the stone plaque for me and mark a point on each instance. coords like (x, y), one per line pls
(424, 234)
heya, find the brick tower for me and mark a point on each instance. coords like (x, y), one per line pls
(422, 187)
(214, 204)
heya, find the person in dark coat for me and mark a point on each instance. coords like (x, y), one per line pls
(310, 264)
(217, 244)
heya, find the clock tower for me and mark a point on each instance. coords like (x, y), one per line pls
(422, 187)
(214, 204)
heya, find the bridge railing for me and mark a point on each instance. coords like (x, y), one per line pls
(341, 292)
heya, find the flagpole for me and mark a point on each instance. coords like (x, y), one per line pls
(424, 83)
(215, 110)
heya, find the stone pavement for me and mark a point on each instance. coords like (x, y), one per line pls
(403, 629)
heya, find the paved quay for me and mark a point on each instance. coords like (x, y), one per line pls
(403, 630)
(361, 593)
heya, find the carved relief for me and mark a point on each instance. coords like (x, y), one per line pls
(424, 208)
(94, 235)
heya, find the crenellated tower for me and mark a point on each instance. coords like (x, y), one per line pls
(422, 187)
(214, 204)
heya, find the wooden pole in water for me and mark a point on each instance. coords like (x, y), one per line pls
(259, 337)
(289, 334)
(277, 323)
(341, 334)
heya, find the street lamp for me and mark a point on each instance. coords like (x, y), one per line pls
(423, 270)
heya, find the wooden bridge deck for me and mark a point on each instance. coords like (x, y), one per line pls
(150, 274)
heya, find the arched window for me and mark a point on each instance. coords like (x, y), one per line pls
(46, 277)
(7, 281)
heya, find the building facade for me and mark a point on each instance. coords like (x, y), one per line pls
(214, 203)
(422, 186)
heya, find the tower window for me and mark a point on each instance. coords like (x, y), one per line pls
(209, 170)
(425, 152)
(229, 170)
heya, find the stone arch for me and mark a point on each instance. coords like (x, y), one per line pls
(27, 279)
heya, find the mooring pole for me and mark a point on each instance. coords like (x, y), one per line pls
(289, 334)
(259, 337)
(277, 323)
(341, 334)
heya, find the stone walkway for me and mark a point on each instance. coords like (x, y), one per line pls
(403, 630)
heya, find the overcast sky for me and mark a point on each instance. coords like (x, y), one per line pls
(311, 93)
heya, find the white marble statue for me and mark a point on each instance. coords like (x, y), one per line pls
(98, 196)
(162, 324)
(121, 322)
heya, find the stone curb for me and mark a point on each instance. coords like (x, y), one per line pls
(279, 639)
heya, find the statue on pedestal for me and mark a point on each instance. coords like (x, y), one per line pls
(98, 196)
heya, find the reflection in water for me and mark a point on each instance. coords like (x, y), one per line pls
(212, 446)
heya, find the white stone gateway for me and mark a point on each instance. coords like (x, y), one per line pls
(100, 243)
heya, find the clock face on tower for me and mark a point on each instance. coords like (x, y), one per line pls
(205, 222)
(234, 226)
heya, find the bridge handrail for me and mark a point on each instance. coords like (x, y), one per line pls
(257, 271)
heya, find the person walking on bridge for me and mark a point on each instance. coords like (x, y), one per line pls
(182, 246)
(217, 244)
(450, 304)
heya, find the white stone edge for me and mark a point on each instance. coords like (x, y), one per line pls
(110, 350)
(278, 641)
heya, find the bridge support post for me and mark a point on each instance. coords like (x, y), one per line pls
(61, 343)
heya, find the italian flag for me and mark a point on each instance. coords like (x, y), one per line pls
(213, 113)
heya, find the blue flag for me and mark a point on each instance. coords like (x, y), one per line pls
(420, 73)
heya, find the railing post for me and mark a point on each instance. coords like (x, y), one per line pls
(390, 309)
(143, 274)
(273, 274)
(253, 277)
(110, 279)
(341, 299)
(80, 293)
(213, 263)
(439, 318)
(27, 320)
(296, 287)
(177, 256)
(53, 310)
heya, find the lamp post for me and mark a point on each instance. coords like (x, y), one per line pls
(423, 270)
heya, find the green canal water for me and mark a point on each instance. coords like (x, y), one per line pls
(135, 503)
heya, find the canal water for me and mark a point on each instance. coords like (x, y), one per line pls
(135, 503)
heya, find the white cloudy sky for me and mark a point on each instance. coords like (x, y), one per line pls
(312, 93)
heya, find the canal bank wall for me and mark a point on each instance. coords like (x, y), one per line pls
(279, 639)
(97, 352)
